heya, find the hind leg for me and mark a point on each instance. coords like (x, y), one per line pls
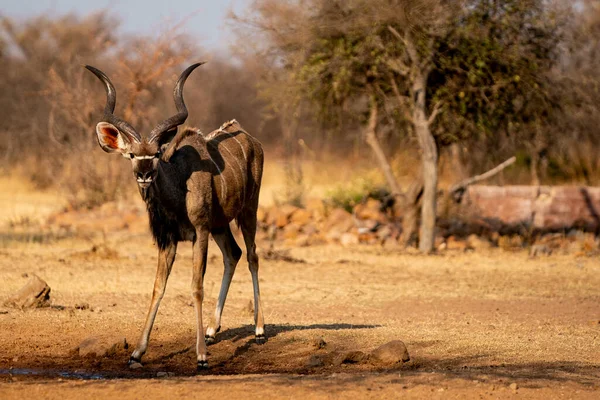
(231, 255)
(248, 226)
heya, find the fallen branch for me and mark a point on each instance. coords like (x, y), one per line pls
(458, 189)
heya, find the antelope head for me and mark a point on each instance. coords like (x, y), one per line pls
(116, 135)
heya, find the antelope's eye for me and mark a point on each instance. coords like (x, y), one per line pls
(131, 155)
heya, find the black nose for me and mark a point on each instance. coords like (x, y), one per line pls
(143, 175)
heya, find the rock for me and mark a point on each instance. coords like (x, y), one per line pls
(314, 361)
(333, 235)
(453, 243)
(370, 210)
(478, 243)
(283, 214)
(316, 207)
(384, 232)
(391, 243)
(135, 365)
(302, 240)
(291, 230)
(393, 352)
(310, 229)
(319, 343)
(301, 216)
(510, 242)
(348, 239)
(339, 219)
(82, 306)
(35, 293)
(162, 374)
(539, 250)
(514, 386)
(261, 214)
(102, 346)
(350, 357)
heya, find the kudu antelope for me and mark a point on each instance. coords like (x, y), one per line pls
(193, 185)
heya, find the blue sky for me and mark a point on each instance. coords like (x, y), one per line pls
(204, 19)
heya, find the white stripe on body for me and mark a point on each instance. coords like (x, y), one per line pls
(223, 183)
(242, 183)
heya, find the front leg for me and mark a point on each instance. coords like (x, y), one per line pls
(199, 267)
(166, 257)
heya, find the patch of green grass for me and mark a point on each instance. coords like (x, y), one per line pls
(350, 194)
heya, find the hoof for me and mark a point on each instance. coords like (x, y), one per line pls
(133, 360)
(260, 339)
(202, 366)
(210, 340)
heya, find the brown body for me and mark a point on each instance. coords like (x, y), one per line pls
(194, 185)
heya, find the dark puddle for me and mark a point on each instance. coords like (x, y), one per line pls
(48, 373)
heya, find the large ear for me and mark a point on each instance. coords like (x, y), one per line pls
(166, 137)
(110, 139)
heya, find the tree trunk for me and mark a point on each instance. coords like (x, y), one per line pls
(409, 202)
(373, 142)
(410, 212)
(429, 167)
(457, 165)
(535, 179)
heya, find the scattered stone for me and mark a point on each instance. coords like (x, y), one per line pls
(283, 215)
(316, 207)
(510, 242)
(393, 352)
(82, 306)
(384, 232)
(162, 374)
(102, 346)
(539, 250)
(302, 240)
(319, 343)
(514, 386)
(348, 239)
(35, 293)
(291, 231)
(314, 361)
(453, 243)
(391, 243)
(261, 214)
(340, 219)
(301, 216)
(135, 365)
(370, 210)
(478, 243)
(350, 357)
(282, 255)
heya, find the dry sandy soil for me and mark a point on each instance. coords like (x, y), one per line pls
(490, 324)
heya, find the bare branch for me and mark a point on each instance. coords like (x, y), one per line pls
(395, 33)
(434, 113)
(458, 189)
(398, 66)
(408, 43)
(403, 101)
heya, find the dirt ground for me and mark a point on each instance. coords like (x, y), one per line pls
(490, 324)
